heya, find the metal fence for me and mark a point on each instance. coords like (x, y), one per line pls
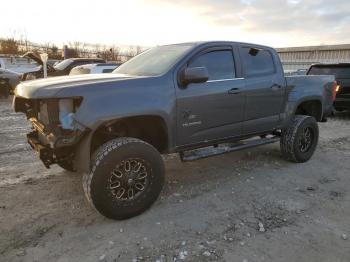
(295, 58)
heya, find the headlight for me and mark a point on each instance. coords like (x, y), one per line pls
(66, 113)
(67, 109)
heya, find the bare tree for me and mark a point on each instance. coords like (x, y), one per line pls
(9, 46)
(97, 49)
(130, 52)
(115, 50)
(138, 50)
(83, 50)
(54, 54)
(12, 45)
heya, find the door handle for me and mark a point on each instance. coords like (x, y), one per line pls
(234, 91)
(276, 87)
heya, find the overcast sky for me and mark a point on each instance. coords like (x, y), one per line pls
(152, 22)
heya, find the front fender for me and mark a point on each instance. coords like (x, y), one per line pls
(83, 149)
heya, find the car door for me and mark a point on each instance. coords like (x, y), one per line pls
(264, 90)
(214, 109)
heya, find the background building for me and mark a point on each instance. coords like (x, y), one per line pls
(296, 58)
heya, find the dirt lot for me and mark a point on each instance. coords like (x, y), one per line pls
(246, 206)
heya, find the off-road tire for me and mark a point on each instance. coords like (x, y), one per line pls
(97, 185)
(292, 134)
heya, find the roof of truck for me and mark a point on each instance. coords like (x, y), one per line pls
(221, 42)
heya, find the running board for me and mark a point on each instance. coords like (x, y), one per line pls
(196, 154)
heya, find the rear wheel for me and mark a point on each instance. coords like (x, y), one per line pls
(299, 139)
(126, 178)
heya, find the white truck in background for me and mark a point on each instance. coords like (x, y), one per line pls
(94, 68)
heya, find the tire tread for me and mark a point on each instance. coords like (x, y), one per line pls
(97, 158)
(289, 135)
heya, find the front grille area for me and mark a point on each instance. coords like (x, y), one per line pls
(48, 113)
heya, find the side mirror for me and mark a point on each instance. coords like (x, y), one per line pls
(194, 75)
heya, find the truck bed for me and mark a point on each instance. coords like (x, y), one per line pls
(317, 87)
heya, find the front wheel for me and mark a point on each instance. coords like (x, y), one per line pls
(299, 139)
(126, 178)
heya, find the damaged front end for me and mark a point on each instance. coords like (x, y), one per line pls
(55, 130)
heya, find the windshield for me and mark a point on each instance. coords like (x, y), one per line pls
(153, 62)
(62, 65)
(337, 71)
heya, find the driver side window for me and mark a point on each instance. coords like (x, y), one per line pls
(219, 64)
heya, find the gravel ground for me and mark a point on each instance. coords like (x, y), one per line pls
(244, 206)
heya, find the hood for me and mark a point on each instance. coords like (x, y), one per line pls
(49, 87)
(36, 58)
(10, 72)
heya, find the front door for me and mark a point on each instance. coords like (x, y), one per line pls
(214, 109)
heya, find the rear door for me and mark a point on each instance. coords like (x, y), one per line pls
(214, 109)
(264, 89)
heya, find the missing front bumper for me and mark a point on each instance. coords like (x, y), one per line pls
(45, 153)
(54, 149)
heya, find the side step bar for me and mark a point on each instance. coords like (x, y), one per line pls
(225, 148)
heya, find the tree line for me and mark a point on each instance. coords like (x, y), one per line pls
(12, 46)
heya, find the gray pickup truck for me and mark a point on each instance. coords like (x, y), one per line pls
(195, 99)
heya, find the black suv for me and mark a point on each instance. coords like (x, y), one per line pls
(341, 73)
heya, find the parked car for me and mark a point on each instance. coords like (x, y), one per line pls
(341, 72)
(179, 98)
(53, 62)
(94, 69)
(18, 64)
(8, 81)
(60, 69)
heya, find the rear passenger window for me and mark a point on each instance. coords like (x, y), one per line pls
(257, 62)
(219, 64)
(107, 70)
